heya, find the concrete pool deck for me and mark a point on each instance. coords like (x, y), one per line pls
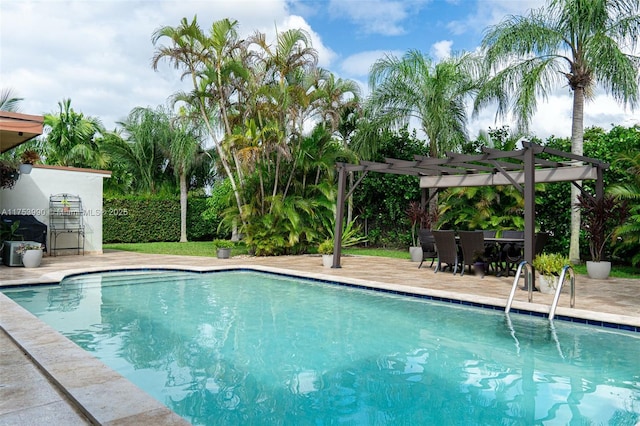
(46, 379)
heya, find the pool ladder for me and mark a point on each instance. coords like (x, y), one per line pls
(529, 279)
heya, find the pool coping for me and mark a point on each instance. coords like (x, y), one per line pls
(84, 379)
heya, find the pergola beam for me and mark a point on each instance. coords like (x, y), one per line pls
(491, 179)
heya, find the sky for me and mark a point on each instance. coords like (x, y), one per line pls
(98, 52)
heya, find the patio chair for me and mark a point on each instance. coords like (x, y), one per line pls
(489, 233)
(428, 246)
(447, 250)
(474, 249)
(541, 240)
(472, 244)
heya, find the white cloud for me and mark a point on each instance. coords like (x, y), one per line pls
(553, 117)
(441, 49)
(98, 53)
(604, 111)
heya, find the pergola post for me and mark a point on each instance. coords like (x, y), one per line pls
(599, 183)
(529, 206)
(337, 234)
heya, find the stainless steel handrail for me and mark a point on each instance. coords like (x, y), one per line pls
(528, 282)
(556, 297)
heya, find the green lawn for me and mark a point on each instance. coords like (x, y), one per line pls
(192, 248)
(205, 248)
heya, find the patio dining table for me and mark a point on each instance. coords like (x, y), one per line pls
(503, 243)
(506, 263)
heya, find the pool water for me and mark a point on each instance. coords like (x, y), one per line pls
(244, 347)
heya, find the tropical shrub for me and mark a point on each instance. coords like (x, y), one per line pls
(629, 232)
(600, 217)
(380, 200)
(219, 243)
(326, 247)
(199, 226)
(550, 263)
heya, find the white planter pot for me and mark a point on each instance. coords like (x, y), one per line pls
(327, 260)
(547, 284)
(416, 254)
(25, 169)
(223, 253)
(598, 270)
(32, 258)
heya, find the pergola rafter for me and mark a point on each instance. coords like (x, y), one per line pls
(521, 168)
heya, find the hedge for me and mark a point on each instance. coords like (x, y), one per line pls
(137, 219)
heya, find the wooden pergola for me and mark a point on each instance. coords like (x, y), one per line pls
(521, 168)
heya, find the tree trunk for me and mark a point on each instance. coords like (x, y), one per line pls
(577, 138)
(218, 146)
(183, 207)
(223, 160)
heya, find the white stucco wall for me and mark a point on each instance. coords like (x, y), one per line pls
(30, 196)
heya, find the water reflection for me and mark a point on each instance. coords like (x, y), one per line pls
(239, 349)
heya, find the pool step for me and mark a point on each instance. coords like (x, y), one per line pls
(129, 277)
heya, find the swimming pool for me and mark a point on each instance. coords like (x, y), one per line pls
(245, 347)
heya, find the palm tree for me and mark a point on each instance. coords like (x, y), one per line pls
(413, 87)
(337, 98)
(339, 101)
(72, 138)
(286, 68)
(580, 42)
(184, 152)
(210, 61)
(8, 102)
(140, 149)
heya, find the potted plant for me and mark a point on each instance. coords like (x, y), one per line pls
(31, 254)
(28, 158)
(416, 215)
(599, 219)
(223, 248)
(66, 205)
(549, 267)
(8, 174)
(325, 248)
(7, 233)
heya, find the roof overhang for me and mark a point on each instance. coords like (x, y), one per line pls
(16, 128)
